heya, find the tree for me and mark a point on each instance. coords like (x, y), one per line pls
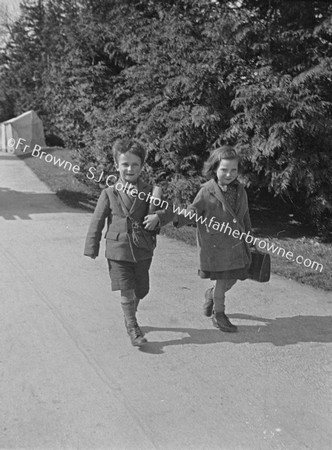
(21, 60)
(283, 110)
(183, 76)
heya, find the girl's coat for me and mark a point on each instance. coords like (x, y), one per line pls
(218, 237)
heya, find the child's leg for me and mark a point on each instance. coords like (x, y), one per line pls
(136, 302)
(220, 289)
(128, 306)
(219, 319)
(142, 281)
(129, 311)
(122, 275)
(208, 303)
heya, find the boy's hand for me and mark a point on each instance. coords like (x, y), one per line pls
(151, 221)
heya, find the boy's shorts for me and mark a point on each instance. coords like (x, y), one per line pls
(130, 275)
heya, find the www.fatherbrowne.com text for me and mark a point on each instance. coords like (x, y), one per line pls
(163, 205)
(223, 227)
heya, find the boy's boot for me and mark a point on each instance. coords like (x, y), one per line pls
(136, 303)
(208, 304)
(133, 330)
(221, 321)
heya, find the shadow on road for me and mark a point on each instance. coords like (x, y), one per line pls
(279, 332)
(19, 205)
(6, 156)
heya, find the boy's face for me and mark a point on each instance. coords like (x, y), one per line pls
(129, 166)
(227, 171)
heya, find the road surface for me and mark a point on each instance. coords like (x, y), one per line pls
(70, 378)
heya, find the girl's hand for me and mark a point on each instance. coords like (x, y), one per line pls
(151, 221)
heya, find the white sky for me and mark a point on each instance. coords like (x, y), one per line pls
(12, 5)
(9, 11)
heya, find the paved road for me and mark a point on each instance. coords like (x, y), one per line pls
(69, 378)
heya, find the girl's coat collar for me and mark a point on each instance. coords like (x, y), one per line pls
(214, 189)
(212, 186)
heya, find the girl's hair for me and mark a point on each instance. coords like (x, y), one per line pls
(128, 145)
(212, 164)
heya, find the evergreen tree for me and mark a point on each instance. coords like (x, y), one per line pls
(284, 108)
(183, 76)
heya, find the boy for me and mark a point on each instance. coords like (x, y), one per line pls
(125, 206)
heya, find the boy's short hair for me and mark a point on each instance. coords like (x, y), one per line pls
(128, 145)
(212, 164)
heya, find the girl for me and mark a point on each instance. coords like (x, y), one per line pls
(222, 217)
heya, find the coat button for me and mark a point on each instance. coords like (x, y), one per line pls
(234, 220)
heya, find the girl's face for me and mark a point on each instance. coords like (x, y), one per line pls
(227, 171)
(129, 167)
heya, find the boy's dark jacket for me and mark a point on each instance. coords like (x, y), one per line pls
(117, 242)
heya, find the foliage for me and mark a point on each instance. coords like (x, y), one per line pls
(283, 112)
(183, 76)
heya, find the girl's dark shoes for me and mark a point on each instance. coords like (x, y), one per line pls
(208, 304)
(221, 321)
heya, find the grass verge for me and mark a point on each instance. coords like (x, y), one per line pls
(306, 247)
(60, 180)
(278, 227)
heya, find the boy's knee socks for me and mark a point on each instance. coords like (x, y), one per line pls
(129, 313)
(128, 307)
